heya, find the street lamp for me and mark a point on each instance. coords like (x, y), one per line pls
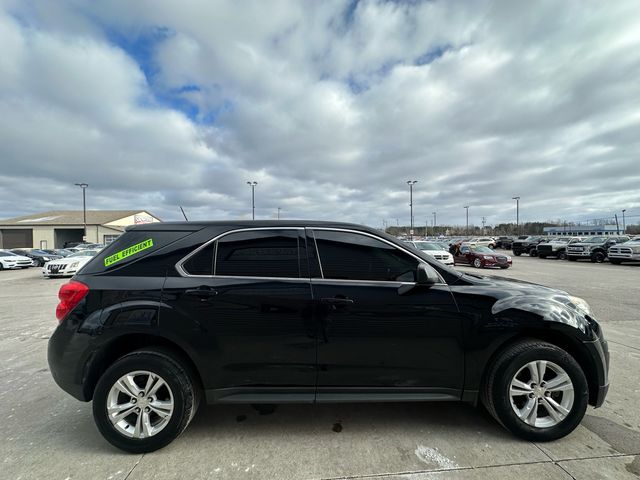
(83, 186)
(279, 213)
(517, 199)
(253, 199)
(467, 230)
(624, 225)
(434, 223)
(411, 183)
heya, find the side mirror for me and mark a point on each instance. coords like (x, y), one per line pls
(427, 275)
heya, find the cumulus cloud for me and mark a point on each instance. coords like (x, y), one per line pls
(330, 106)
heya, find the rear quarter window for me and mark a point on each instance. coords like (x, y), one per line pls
(131, 247)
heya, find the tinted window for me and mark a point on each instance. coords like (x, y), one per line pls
(258, 253)
(202, 262)
(351, 256)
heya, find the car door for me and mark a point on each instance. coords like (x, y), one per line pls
(247, 294)
(464, 255)
(379, 333)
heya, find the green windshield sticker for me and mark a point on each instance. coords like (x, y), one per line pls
(127, 252)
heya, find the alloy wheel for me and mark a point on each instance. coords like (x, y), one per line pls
(541, 394)
(140, 404)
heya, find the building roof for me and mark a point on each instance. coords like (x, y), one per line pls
(70, 217)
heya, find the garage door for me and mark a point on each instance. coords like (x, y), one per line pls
(16, 238)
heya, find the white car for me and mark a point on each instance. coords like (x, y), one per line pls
(481, 242)
(68, 266)
(10, 260)
(435, 250)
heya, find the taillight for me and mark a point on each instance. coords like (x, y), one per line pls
(70, 295)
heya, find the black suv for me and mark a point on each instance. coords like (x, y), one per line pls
(284, 311)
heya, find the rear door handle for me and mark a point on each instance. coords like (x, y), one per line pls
(336, 301)
(202, 292)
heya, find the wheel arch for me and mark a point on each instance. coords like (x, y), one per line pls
(127, 343)
(572, 346)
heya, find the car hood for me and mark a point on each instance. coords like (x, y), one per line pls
(69, 261)
(16, 258)
(512, 284)
(436, 252)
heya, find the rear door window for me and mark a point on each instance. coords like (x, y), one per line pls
(258, 253)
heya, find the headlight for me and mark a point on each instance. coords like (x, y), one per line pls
(581, 305)
(74, 265)
(508, 257)
(46, 259)
(635, 249)
(487, 257)
(587, 248)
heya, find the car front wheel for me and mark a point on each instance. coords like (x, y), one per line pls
(477, 263)
(536, 390)
(597, 257)
(144, 401)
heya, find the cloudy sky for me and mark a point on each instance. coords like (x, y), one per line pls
(331, 106)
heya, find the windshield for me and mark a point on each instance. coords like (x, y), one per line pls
(7, 254)
(595, 239)
(427, 246)
(84, 253)
(483, 250)
(560, 240)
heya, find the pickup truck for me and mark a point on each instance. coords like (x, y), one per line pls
(528, 246)
(595, 248)
(626, 252)
(556, 247)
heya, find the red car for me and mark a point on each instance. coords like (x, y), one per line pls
(481, 257)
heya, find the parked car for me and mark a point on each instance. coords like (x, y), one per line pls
(482, 242)
(625, 252)
(504, 242)
(270, 311)
(435, 250)
(594, 248)
(527, 245)
(481, 257)
(10, 260)
(38, 257)
(556, 247)
(68, 266)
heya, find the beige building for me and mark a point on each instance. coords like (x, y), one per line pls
(56, 228)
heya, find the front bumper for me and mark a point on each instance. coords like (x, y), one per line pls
(631, 257)
(599, 351)
(583, 254)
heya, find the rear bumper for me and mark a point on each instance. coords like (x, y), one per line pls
(67, 355)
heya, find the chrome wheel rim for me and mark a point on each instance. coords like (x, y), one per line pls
(477, 263)
(140, 404)
(541, 394)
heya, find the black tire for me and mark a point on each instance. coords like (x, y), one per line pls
(504, 268)
(1, 266)
(495, 393)
(542, 256)
(562, 255)
(183, 387)
(533, 252)
(615, 261)
(517, 254)
(598, 257)
(477, 263)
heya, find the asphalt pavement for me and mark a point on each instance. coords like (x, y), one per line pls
(45, 433)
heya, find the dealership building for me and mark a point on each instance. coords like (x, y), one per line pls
(56, 228)
(583, 230)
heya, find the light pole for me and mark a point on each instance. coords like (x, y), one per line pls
(434, 223)
(624, 225)
(411, 183)
(484, 220)
(517, 199)
(253, 199)
(83, 186)
(467, 230)
(279, 213)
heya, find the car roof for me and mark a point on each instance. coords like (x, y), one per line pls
(197, 225)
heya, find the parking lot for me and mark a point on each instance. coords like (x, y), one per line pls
(47, 434)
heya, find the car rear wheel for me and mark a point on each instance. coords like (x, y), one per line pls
(597, 257)
(536, 390)
(562, 255)
(144, 401)
(477, 263)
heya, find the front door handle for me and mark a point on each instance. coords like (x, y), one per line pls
(203, 292)
(336, 301)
